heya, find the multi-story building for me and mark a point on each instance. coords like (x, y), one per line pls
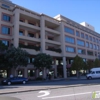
(60, 37)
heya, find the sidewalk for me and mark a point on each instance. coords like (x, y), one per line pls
(39, 85)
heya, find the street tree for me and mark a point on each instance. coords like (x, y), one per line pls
(90, 64)
(16, 57)
(42, 61)
(77, 64)
(97, 63)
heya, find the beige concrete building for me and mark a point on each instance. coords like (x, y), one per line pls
(60, 37)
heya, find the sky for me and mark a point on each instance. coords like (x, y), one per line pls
(76, 10)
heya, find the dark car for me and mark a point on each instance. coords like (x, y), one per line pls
(15, 80)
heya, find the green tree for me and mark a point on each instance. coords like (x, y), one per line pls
(77, 64)
(43, 61)
(3, 61)
(97, 63)
(16, 57)
(90, 64)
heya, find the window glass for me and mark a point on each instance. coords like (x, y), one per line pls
(5, 30)
(80, 42)
(77, 34)
(90, 38)
(82, 35)
(90, 53)
(5, 42)
(69, 30)
(6, 18)
(91, 45)
(70, 49)
(86, 36)
(81, 51)
(21, 33)
(87, 44)
(69, 39)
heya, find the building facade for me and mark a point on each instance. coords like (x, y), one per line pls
(60, 37)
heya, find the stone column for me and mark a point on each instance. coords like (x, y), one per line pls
(37, 73)
(55, 74)
(25, 72)
(26, 33)
(16, 28)
(62, 38)
(64, 68)
(44, 73)
(42, 34)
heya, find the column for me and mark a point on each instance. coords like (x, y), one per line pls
(26, 33)
(37, 73)
(62, 37)
(55, 74)
(25, 72)
(64, 68)
(16, 28)
(42, 34)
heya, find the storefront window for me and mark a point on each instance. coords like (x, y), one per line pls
(20, 73)
(31, 73)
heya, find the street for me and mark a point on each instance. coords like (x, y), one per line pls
(75, 92)
(71, 93)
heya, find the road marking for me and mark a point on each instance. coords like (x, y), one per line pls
(46, 93)
(67, 95)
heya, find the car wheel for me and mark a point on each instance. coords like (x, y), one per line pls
(9, 83)
(90, 77)
(24, 82)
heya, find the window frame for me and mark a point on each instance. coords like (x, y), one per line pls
(2, 25)
(6, 15)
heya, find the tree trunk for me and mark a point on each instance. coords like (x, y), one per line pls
(78, 74)
(44, 73)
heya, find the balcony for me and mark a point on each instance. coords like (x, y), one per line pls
(34, 47)
(52, 31)
(53, 53)
(29, 38)
(53, 42)
(29, 26)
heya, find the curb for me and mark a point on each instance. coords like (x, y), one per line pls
(49, 88)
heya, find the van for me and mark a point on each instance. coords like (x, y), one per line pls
(94, 73)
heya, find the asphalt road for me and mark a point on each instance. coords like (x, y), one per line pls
(66, 93)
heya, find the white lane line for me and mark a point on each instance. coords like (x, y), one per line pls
(45, 93)
(67, 95)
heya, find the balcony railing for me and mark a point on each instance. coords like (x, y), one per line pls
(37, 48)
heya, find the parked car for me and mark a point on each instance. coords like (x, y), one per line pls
(15, 80)
(94, 73)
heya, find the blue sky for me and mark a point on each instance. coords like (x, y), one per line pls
(77, 10)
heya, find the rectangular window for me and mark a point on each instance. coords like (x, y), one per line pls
(69, 39)
(70, 49)
(69, 30)
(77, 34)
(90, 53)
(90, 38)
(21, 33)
(5, 42)
(50, 38)
(6, 6)
(81, 51)
(30, 35)
(80, 42)
(93, 39)
(87, 44)
(5, 30)
(82, 35)
(97, 47)
(6, 17)
(86, 36)
(94, 46)
(91, 45)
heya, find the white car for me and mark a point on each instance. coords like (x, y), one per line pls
(94, 73)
